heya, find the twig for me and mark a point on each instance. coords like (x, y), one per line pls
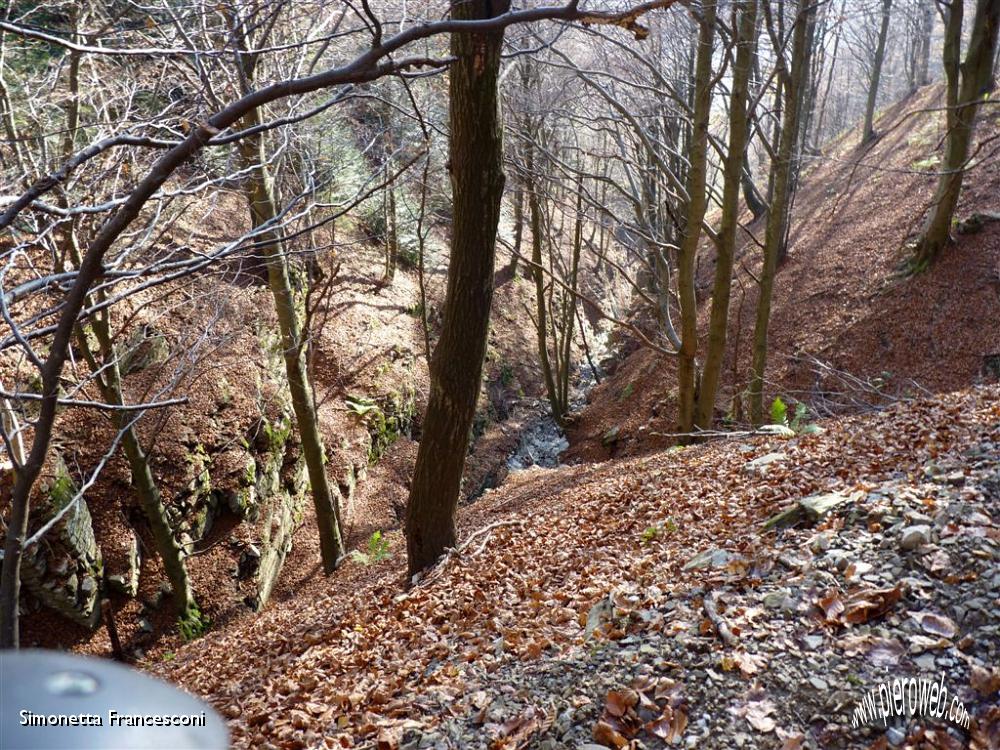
(460, 549)
(711, 609)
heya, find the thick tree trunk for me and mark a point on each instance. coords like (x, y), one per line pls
(868, 130)
(777, 217)
(976, 75)
(476, 165)
(726, 244)
(687, 365)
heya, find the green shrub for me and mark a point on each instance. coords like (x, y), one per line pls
(378, 550)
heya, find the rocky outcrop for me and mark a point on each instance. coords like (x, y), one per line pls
(64, 570)
(205, 471)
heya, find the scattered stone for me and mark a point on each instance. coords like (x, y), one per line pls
(759, 466)
(812, 508)
(711, 558)
(914, 536)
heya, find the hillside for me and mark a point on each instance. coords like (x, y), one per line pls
(846, 329)
(493, 648)
(368, 348)
(641, 597)
(388, 375)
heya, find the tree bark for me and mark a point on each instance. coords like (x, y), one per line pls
(964, 98)
(263, 211)
(868, 130)
(777, 217)
(259, 189)
(538, 275)
(476, 166)
(170, 552)
(687, 365)
(925, 26)
(726, 244)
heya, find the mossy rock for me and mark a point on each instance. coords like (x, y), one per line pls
(144, 349)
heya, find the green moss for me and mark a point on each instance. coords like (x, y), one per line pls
(199, 460)
(193, 623)
(386, 418)
(62, 489)
(480, 423)
(506, 374)
(276, 433)
(250, 472)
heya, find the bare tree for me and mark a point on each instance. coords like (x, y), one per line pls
(967, 82)
(792, 75)
(878, 59)
(745, 27)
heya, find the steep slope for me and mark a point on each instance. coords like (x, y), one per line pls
(232, 439)
(577, 589)
(838, 299)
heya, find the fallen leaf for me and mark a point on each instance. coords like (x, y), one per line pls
(885, 652)
(604, 734)
(985, 681)
(832, 606)
(758, 713)
(618, 702)
(750, 664)
(868, 604)
(934, 623)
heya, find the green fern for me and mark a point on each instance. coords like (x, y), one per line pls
(779, 412)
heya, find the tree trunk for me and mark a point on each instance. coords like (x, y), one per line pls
(921, 65)
(476, 165)
(538, 275)
(726, 244)
(868, 130)
(687, 365)
(976, 75)
(518, 227)
(391, 233)
(829, 78)
(109, 382)
(776, 218)
(263, 211)
(259, 189)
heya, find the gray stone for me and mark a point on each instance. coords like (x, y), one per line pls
(759, 466)
(895, 735)
(710, 558)
(812, 508)
(913, 536)
(813, 642)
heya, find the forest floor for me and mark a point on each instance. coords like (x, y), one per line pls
(368, 343)
(634, 597)
(632, 601)
(845, 326)
(641, 599)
